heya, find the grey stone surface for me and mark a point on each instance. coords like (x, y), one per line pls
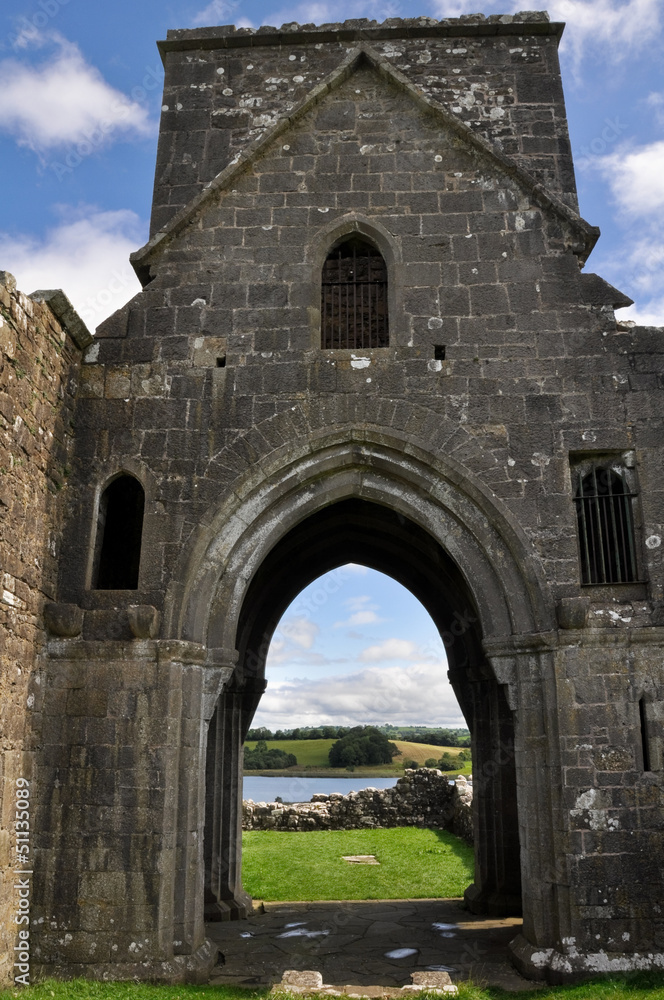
(311, 983)
(266, 461)
(351, 942)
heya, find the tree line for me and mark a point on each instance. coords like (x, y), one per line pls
(412, 734)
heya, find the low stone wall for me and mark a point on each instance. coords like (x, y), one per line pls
(423, 797)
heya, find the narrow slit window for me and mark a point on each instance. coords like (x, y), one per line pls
(606, 528)
(354, 297)
(120, 530)
(645, 743)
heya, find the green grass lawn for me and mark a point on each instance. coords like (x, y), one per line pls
(84, 989)
(312, 755)
(641, 987)
(414, 863)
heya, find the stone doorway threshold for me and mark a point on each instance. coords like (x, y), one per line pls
(368, 942)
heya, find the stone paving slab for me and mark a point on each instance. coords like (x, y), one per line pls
(351, 942)
(310, 983)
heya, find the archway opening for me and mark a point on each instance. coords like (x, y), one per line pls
(371, 534)
(357, 692)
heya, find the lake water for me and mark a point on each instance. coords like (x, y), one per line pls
(292, 789)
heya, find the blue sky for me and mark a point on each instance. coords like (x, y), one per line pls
(353, 648)
(81, 92)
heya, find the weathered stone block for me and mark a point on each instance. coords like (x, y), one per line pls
(63, 619)
(572, 612)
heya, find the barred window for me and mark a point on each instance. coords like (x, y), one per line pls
(354, 296)
(119, 534)
(606, 527)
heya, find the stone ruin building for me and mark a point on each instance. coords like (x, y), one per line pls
(364, 335)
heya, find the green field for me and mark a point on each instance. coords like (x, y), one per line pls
(84, 989)
(312, 758)
(640, 987)
(413, 864)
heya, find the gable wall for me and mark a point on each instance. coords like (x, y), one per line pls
(532, 348)
(218, 100)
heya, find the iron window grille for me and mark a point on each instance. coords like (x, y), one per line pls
(606, 527)
(354, 297)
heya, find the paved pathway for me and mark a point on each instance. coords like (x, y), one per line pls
(369, 942)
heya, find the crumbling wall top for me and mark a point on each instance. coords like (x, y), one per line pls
(528, 22)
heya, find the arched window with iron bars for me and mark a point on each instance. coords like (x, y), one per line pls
(606, 527)
(354, 310)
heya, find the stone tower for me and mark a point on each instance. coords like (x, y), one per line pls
(364, 335)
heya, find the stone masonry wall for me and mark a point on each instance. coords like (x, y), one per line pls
(423, 797)
(501, 80)
(38, 363)
(532, 347)
(506, 367)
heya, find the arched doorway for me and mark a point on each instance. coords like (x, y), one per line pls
(357, 530)
(443, 535)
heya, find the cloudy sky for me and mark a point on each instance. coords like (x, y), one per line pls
(356, 648)
(81, 92)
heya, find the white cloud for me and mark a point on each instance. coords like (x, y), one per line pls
(656, 102)
(649, 314)
(300, 631)
(363, 612)
(221, 12)
(642, 260)
(30, 37)
(292, 644)
(360, 618)
(326, 11)
(614, 26)
(65, 100)
(390, 649)
(419, 693)
(361, 602)
(456, 8)
(636, 178)
(87, 255)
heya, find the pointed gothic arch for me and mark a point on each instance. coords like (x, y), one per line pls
(441, 537)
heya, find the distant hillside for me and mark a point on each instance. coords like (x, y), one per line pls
(434, 736)
(313, 755)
